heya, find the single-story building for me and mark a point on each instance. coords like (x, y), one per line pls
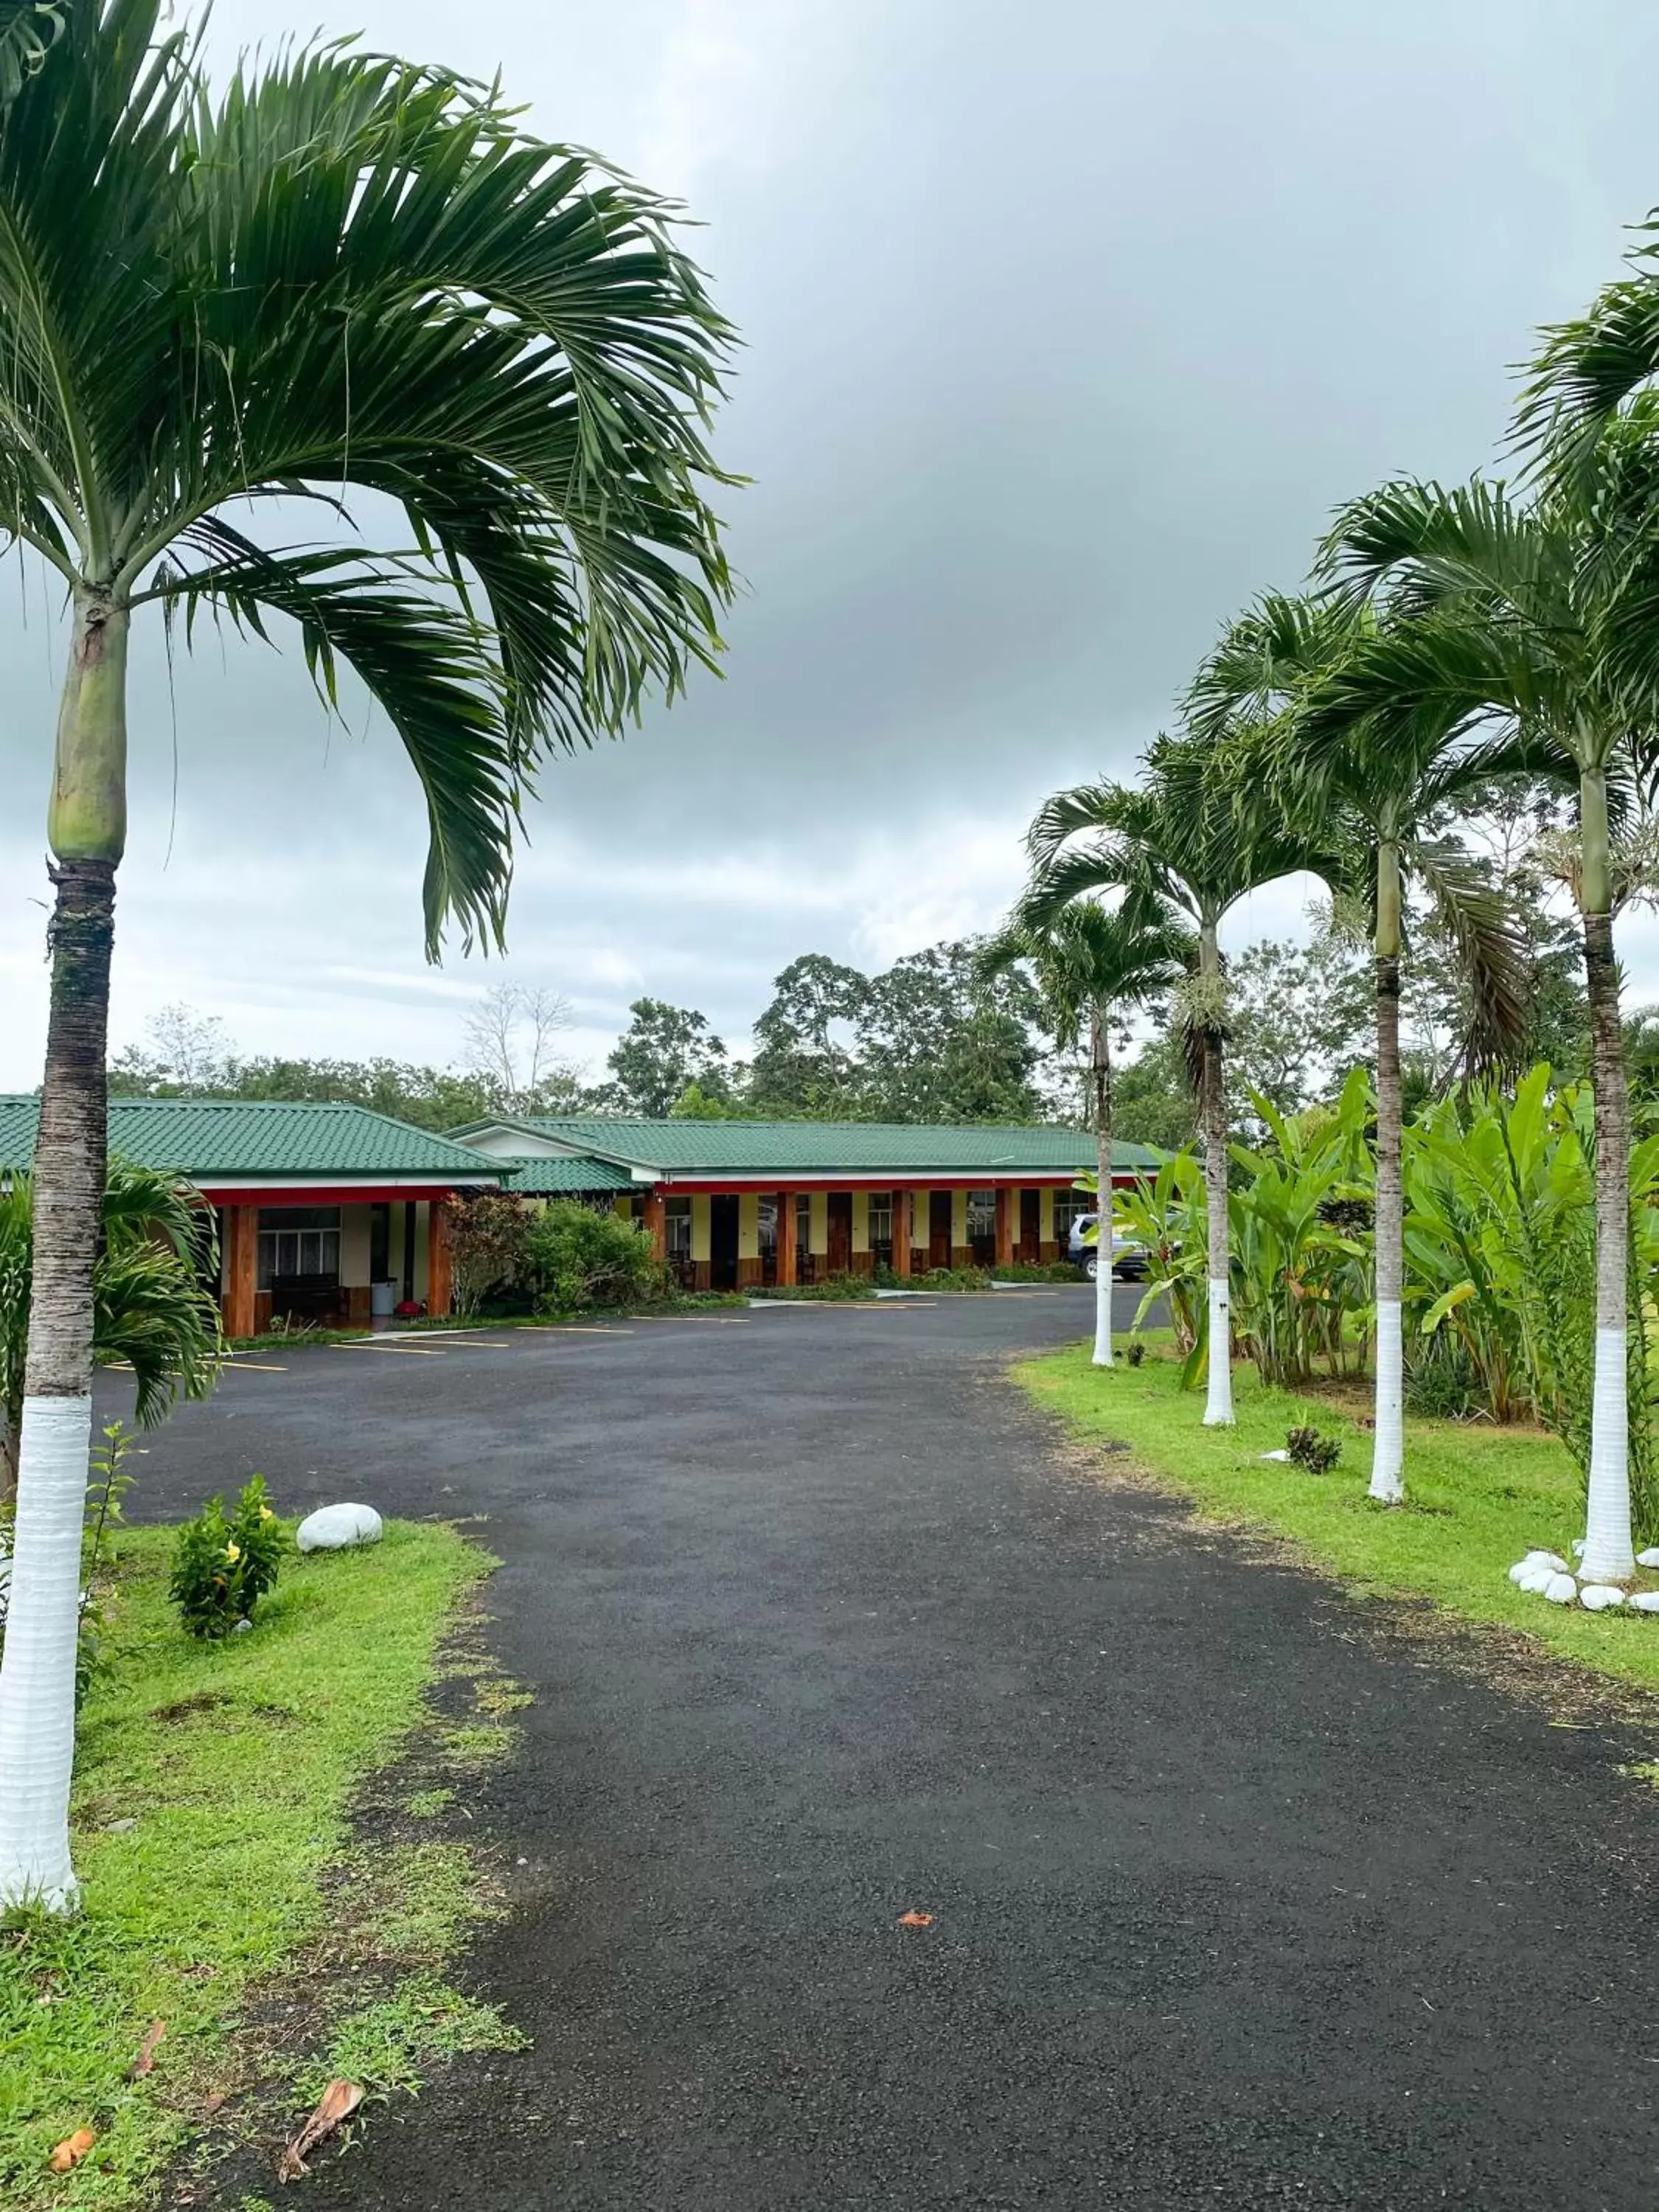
(315, 1203)
(739, 1205)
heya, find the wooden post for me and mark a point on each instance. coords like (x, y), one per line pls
(656, 1224)
(902, 1204)
(241, 1274)
(440, 1267)
(1005, 1226)
(787, 1270)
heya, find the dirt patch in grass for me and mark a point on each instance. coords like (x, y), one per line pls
(252, 1879)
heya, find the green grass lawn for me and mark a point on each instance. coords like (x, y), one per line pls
(1480, 1496)
(213, 1795)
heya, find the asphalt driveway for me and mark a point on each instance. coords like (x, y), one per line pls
(1233, 1902)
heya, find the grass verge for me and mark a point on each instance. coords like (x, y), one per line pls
(217, 1789)
(1480, 1496)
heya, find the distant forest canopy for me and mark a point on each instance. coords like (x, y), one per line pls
(933, 1038)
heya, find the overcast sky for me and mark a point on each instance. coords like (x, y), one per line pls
(1065, 328)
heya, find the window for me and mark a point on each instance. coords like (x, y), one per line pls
(677, 1227)
(1068, 1205)
(881, 1219)
(298, 1241)
(982, 1223)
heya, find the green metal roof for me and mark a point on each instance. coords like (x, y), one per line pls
(221, 1137)
(826, 1148)
(549, 1177)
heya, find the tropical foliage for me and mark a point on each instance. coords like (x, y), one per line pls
(152, 1308)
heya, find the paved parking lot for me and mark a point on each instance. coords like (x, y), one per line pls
(1233, 1903)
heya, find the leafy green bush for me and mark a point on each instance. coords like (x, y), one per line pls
(489, 1240)
(1134, 1352)
(223, 1564)
(1036, 1271)
(576, 1259)
(1315, 1453)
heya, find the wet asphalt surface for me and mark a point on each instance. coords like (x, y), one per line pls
(1234, 1903)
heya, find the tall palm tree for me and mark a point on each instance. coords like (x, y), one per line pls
(343, 275)
(1091, 961)
(1183, 835)
(1272, 663)
(150, 1306)
(1531, 619)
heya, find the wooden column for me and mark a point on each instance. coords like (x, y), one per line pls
(902, 1200)
(241, 1271)
(788, 1272)
(440, 1262)
(656, 1224)
(1005, 1205)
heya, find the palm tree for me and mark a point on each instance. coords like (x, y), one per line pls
(150, 1307)
(1272, 662)
(1090, 962)
(1532, 620)
(1184, 836)
(346, 274)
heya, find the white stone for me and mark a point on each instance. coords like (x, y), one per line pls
(1283, 1455)
(1577, 1547)
(1596, 1597)
(1649, 1558)
(1536, 1579)
(1560, 1589)
(337, 1527)
(1520, 1568)
(1552, 1561)
(1644, 1601)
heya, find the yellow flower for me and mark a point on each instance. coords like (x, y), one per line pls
(265, 1513)
(232, 1552)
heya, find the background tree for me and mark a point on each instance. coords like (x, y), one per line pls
(662, 1053)
(1188, 835)
(346, 274)
(1089, 962)
(510, 1036)
(1382, 789)
(941, 1041)
(806, 1062)
(1535, 619)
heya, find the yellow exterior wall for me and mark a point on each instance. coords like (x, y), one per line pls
(355, 1225)
(820, 1243)
(1045, 1217)
(700, 1228)
(624, 1205)
(958, 1219)
(861, 1221)
(748, 1223)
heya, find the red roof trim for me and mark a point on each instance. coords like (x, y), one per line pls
(345, 1194)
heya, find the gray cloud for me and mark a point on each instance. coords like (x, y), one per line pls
(1065, 330)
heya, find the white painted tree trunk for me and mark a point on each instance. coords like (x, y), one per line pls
(1219, 1393)
(37, 1696)
(1609, 1548)
(1388, 1483)
(1103, 1076)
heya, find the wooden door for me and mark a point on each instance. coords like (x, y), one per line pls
(1029, 1248)
(840, 1254)
(722, 1244)
(938, 1229)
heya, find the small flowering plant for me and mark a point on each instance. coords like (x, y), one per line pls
(224, 1563)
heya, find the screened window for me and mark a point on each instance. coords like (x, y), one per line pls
(1068, 1205)
(298, 1241)
(981, 1215)
(881, 1219)
(676, 1225)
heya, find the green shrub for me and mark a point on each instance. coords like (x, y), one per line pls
(1314, 1453)
(1036, 1271)
(224, 1564)
(575, 1258)
(952, 1279)
(1135, 1352)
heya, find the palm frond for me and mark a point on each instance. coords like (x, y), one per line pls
(1491, 951)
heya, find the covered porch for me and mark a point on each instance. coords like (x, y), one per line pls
(313, 1257)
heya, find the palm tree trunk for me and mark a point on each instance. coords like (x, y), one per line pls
(1212, 1105)
(1389, 1444)
(1609, 1552)
(1100, 1053)
(87, 825)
